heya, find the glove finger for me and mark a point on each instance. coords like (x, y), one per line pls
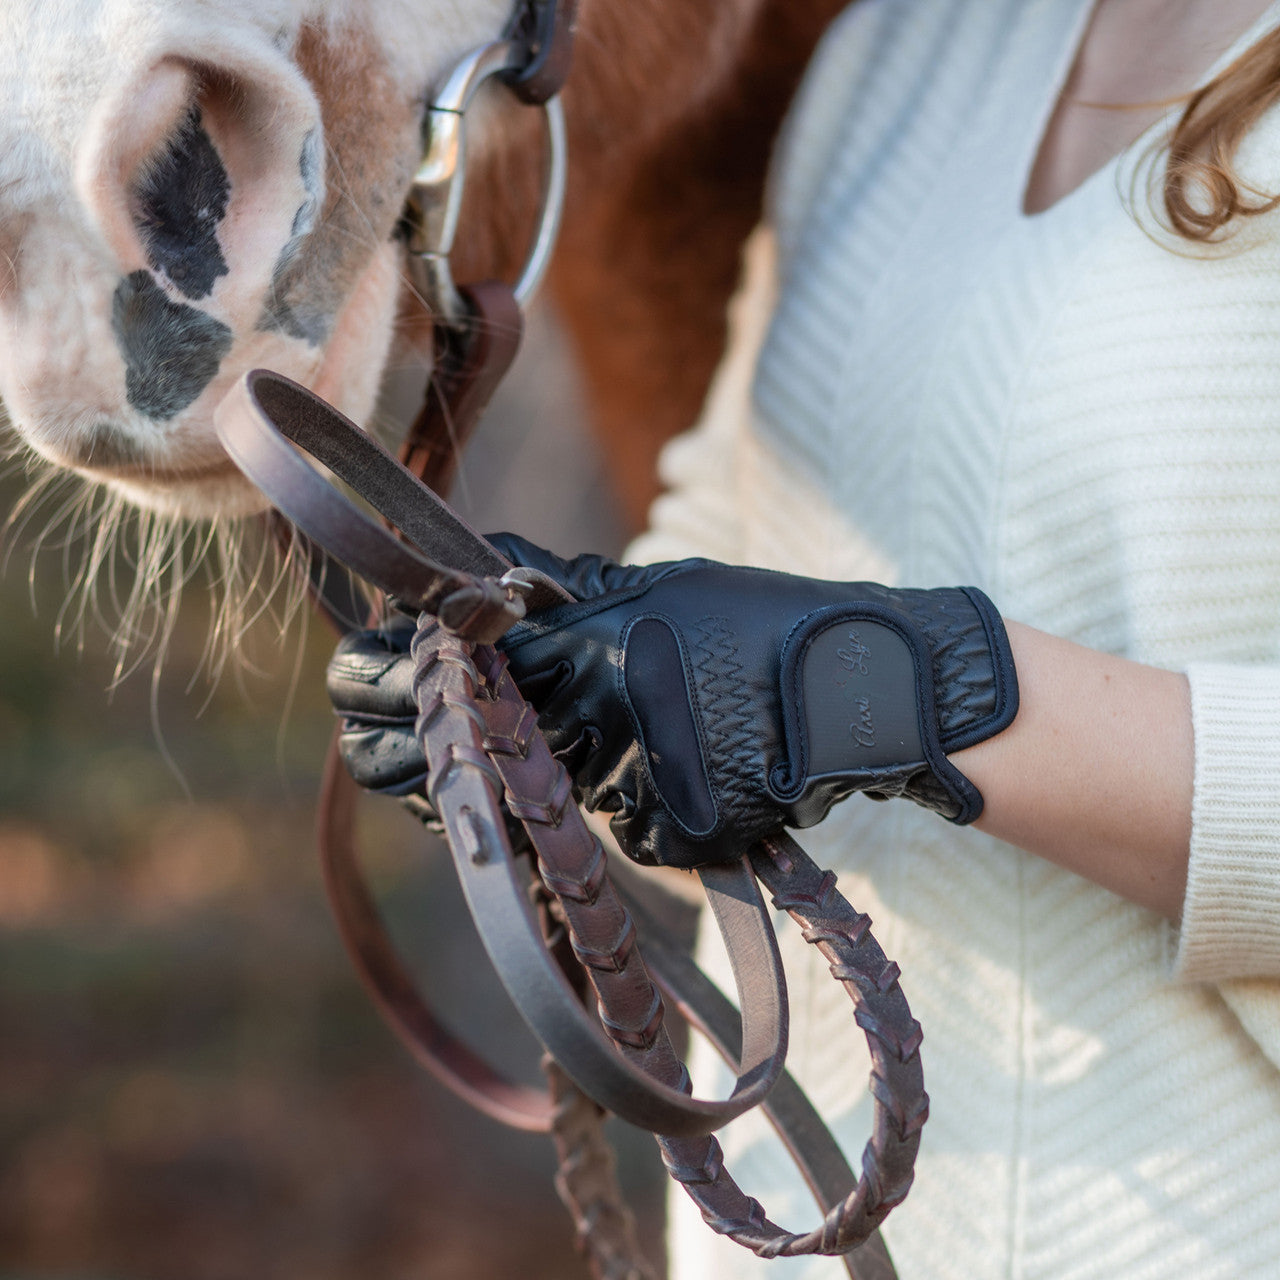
(584, 577)
(540, 673)
(521, 551)
(385, 759)
(371, 673)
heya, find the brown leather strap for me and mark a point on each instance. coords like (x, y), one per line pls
(573, 1119)
(901, 1105)
(449, 1059)
(470, 361)
(481, 740)
(586, 1182)
(465, 792)
(807, 1139)
(267, 421)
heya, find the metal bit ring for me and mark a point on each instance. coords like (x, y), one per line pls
(435, 197)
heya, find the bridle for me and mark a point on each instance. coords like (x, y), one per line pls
(558, 932)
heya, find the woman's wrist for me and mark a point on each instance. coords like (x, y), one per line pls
(1096, 771)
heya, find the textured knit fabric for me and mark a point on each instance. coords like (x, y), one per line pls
(1081, 415)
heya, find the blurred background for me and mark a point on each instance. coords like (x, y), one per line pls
(193, 1085)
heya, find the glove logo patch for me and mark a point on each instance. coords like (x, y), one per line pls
(858, 687)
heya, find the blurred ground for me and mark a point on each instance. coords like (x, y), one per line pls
(192, 1084)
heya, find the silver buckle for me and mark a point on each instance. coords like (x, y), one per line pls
(515, 582)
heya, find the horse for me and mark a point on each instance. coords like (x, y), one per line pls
(192, 189)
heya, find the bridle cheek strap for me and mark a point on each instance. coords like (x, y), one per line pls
(470, 361)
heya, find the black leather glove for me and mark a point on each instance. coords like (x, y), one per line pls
(370, 682)
(706, 705)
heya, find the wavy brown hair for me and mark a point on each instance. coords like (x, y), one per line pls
(1202, 191)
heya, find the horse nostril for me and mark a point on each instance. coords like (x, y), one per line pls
(194, 175)
(179, 202)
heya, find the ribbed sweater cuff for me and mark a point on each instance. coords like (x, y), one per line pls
(1231, 919)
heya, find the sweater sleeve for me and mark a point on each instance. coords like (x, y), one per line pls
(1230, 924)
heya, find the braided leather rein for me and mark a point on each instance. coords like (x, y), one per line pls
(476, 763)
(484, 751)
(562, 938)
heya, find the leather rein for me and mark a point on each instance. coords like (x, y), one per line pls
(565, 941)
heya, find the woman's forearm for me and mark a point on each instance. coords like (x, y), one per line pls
(1096, 772)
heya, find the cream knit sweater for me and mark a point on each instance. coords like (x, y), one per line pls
(1081, 416)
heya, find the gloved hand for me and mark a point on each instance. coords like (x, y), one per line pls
(370, 681)
(706, 705)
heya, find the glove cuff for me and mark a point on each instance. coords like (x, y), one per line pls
(866, 689)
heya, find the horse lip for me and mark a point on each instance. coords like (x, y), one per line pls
(217, 489)
(165, 476)
(109, 452)
(105, 447)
